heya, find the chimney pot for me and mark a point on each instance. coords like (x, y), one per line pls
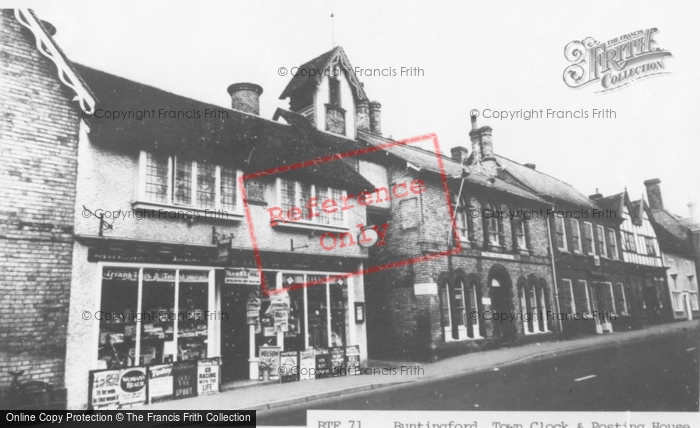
(375, 118)
(595, 196)
(531, 165)
(245, 97)
(654, 194)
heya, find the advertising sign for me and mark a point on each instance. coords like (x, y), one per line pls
(104, 389)
(242, 277)
(323, 363)
(132, 386)
(160, 382)
(352, 358)
(307, 364)
(289, 366)
(269, 356)
(338, 361)
(185, 379)
(208, 376)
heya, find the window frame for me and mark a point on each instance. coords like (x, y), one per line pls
(314, 222)
(588, 226)
(493, 227)
(463, 330)
(574, 224)
(560, 220)
(571, 293)
(144, 202)
(518, 234)
(602, 246)
(614, 252)
(588, 309)
(624, 298)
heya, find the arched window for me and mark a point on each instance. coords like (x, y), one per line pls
(492, 226)
(533, 301)
(465, 303)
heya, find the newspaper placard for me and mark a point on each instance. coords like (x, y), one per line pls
(104, 389)
(208, 376)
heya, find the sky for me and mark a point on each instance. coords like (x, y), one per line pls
(474, 55)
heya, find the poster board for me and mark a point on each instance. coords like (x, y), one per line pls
(160, 383)
(132, 386)
(289, 366)
(352, 358)
(323, 363)
(184, 379)
(208, 376)
(338, 361)
(270, 356)
(307, 364)
(104, 389)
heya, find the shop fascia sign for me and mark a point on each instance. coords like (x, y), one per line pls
(242, 276)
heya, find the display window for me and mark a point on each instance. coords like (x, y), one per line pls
(153, 316)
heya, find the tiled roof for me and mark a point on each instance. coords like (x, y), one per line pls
(427, 160)
(543, 184)
(673, 236)
(238, 139)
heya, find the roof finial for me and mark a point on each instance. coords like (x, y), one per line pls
(332, 30)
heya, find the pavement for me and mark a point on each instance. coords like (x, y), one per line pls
(273, 396)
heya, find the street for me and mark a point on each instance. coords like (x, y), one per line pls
(655, 374)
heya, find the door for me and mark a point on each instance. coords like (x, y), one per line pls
(234, 333)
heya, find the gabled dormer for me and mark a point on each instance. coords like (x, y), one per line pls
(326, 91)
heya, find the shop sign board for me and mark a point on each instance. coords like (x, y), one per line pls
(208, 376)
(185, 379)
(289, 366)
(132, 386)
(323, 363)
(242, 277)
(160, 382)
(269, 356)
(104, 389)
(338, 361)
(352, 358)
(307, 364)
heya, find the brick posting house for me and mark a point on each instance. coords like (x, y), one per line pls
(42, 97)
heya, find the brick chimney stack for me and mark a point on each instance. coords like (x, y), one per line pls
(459, 153)
(375, 118)
(486, 142)
(363, 116)
(245, 97)
(654, 194)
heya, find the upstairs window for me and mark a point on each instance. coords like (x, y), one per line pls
(293, 194)
(588, 238)
(628, 242)
(575, 235)
(493, 230)
(612, 245)
(600, 241)
(173, 180)
(560, 233)
(518, 226)
(463, 220)
(651, 247)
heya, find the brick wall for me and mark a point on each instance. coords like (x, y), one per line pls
(38, 147)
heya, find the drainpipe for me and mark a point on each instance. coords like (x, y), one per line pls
(450, 267)
(554, 274)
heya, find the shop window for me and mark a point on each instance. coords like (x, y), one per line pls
(600, 241)
(293, 194)
(168, 323)
(677, 301)
(317, 317)
(566, 297)
(575, 235)
(612, 245)
(173, 180)
(559, 233)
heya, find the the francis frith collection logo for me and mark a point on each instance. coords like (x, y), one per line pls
(615, 63)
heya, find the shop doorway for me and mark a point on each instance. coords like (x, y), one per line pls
(501, 294)
(234, 333)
